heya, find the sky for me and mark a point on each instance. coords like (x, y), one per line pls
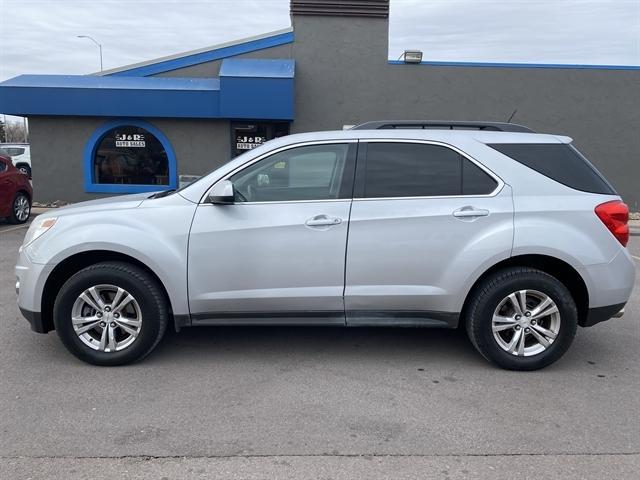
(40, 36)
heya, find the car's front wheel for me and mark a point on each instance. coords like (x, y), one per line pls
(521, 318)
(111, 313)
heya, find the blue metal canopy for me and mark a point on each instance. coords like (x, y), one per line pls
(247, 88)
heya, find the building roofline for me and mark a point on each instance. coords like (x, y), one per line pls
(202, 55)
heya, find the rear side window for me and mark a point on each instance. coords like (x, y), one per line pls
(420, 170)
(14, 151)
(560, 162)
(474, 180)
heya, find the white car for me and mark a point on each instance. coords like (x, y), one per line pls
(20, 154)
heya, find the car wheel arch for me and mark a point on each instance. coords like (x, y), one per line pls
(76, 262)
(553, 266)
(22, 190)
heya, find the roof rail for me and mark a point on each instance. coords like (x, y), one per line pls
(442, 125)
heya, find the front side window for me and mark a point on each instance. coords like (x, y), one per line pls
(313, 172)
(130, 155)
(421, 170)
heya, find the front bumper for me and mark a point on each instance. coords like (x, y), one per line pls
(31, 278)
(35, 320)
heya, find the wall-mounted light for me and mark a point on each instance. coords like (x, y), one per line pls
(412, 56)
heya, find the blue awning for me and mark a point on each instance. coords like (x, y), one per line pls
(247, 88)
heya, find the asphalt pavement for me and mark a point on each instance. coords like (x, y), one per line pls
(330, 403)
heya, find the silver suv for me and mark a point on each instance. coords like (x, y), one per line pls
(512, 235)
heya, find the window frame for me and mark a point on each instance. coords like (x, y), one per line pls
(93, 143)
(361, 166)
(347, 180)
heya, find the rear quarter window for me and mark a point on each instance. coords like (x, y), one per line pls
(14, 151)
(560, 162)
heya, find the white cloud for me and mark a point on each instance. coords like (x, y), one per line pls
(591, 32)
(39, 36)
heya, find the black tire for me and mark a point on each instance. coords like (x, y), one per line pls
(24, 168)
(13, 218)
(491, 291)
(142, 286)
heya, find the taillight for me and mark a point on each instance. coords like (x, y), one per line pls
(615, 216)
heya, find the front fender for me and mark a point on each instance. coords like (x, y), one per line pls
(157, 237)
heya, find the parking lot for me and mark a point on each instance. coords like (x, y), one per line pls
(274, 402)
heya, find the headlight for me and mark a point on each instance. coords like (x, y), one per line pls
(38, 228)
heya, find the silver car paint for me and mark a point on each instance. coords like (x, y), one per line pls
(413, 254)
(549, 219)
(262, 257)
(154, 231)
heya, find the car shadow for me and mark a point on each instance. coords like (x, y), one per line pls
(214, 344)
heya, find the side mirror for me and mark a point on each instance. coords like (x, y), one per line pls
(222, 193)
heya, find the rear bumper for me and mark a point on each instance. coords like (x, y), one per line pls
(610, 284)
(600, 314)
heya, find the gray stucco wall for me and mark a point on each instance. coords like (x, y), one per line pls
(57, 146)
(343, 77)
(348, 81)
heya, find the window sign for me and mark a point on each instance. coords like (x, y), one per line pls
(130, 155)
(245, 142)
(135, 140)
(247, 136)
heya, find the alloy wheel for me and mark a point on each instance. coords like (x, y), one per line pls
(21, 208)
(106, 318)
(526, 323)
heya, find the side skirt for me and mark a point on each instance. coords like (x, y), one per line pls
(360, 318)
(402, 318)
(269, 318)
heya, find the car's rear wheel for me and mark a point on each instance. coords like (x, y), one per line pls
(521, 319)
(111, 313)
(20, 208)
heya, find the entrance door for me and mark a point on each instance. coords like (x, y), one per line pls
(248, 135)
(277, 254)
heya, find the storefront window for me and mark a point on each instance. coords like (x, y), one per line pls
(247, 136)
(130, 155)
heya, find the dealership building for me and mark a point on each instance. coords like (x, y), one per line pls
(142, 127)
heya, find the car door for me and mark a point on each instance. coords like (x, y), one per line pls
(7, 188)
(424, 220)
(277, 254)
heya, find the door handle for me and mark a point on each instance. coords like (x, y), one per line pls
(470, 212)
(323, 221)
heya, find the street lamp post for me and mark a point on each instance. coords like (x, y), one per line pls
(94, 41)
